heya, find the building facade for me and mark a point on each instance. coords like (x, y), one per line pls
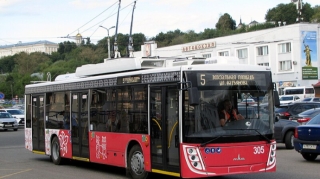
(39, 46)
(291, 51)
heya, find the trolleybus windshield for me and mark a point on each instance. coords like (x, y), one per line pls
(203, 121)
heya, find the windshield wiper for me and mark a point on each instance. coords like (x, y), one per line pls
(263, 136)
(209, 141)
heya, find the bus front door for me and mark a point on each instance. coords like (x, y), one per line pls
(38, 133)
(79, 126)
(164, 129)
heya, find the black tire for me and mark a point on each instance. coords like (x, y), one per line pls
(288, 140)
(55, 151)
(135, 163)
(309, 156)
(15, 129)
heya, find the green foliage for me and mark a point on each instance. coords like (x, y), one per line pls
(260, 27)
(66, 47)
(7, 64)
(283, 12)
(226, 22)
(316, 14)
(288, 13)
(307, 12)
(164, 40)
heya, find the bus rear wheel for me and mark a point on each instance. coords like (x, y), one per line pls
(136, 163)
(55, 151)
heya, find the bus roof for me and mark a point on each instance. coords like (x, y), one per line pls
(138, 66)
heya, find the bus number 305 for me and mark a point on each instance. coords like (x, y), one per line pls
(258, 150)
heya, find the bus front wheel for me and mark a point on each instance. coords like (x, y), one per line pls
(55, 151)
(136, 163)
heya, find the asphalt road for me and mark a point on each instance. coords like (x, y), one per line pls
(18, 163)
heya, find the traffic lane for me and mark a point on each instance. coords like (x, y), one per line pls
(12, 138)
(17, 162)
(290, 164)
(29, 165)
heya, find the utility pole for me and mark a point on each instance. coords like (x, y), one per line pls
(116, 52)
(299, 9)
(108, 39)
(130, 45)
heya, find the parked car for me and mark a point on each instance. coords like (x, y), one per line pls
(16, 113)
(305, 116)
(280, 109)
(284, 131)
(296, 108)
(7, 121)
(285, 99)
(313, 99)
(306, 139)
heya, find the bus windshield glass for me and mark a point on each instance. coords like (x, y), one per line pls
(249, 116)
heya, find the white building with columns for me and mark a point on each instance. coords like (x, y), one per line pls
(29, 47)
(292, 51)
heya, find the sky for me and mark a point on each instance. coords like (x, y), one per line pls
(61, 20)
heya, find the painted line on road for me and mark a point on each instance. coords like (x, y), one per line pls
(13, 173)
(10, 147)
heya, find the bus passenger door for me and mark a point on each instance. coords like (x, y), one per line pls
(38, 133)
(79, 125)
(164, 129)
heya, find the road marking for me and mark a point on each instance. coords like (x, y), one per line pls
(9, 147)
(13, 173)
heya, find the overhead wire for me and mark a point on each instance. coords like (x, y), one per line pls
(106, 18)
(94, 18)
(99, 26)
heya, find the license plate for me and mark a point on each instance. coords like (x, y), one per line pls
(308, 146)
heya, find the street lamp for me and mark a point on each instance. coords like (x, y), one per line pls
(108, 39)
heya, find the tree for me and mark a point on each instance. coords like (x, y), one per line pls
(226, 22)
(316, 14)
(288, 13)
(307, 12)
(138, 40)
(167, 39)
(30, 63)
(7, 64)
(283, 12)
(208, 34)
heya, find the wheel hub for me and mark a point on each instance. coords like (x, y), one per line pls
(137, 163)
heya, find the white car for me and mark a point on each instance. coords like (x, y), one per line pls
(286, 99)
(16, 113)
(7, 121)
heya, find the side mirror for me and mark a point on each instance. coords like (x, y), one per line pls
(276, 98)
(194, 97)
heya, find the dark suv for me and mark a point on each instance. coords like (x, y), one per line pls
(285, 112)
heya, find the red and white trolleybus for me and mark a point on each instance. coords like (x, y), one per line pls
(155, 115)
